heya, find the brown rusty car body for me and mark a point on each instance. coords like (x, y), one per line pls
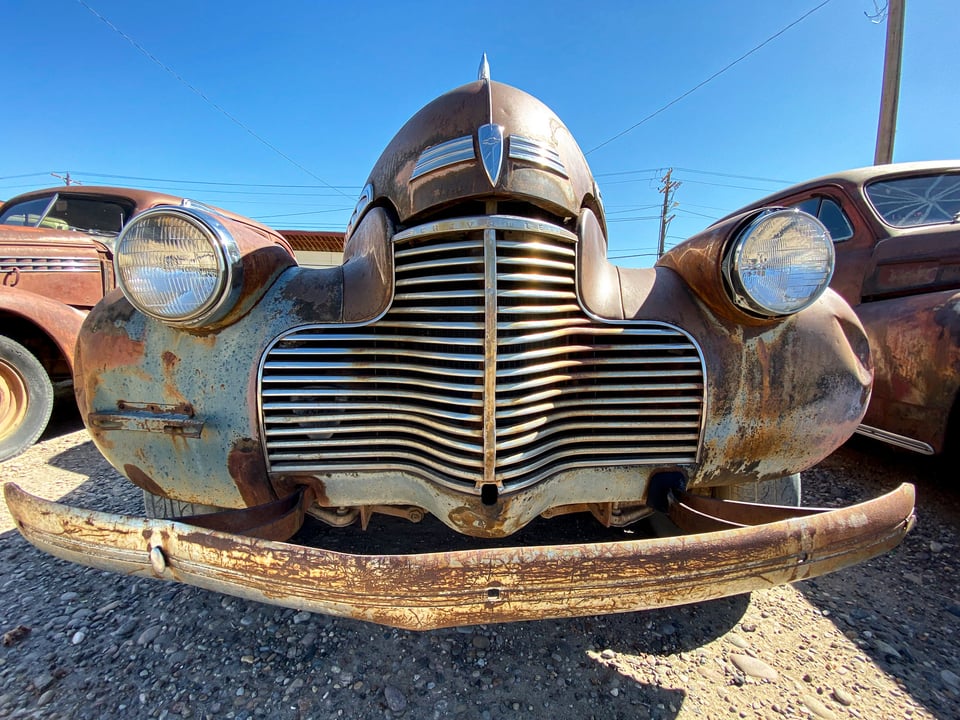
(896, 230)
(477, 359)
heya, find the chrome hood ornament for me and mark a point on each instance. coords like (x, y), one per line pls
(483, 74)
(490, 136)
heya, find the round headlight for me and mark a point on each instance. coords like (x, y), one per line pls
(176, 265)
(780, 263)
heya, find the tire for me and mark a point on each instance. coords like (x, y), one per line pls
(26, 398)
(155, 506)
(782, 491)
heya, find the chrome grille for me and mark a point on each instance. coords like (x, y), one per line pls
(49, 264)
(484, 369)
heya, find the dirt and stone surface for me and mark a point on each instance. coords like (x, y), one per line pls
(875, 641)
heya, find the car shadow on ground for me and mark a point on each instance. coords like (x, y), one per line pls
(64, 419)
(891, 606)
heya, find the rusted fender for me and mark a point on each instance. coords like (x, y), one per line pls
(60, 322)
(468, 587)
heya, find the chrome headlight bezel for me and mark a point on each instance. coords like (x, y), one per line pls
(217, 299)
(786, 235)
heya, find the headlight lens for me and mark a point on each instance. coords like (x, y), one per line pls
(780, 263)
(176, 265)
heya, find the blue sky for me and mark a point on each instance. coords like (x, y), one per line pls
(299, 98)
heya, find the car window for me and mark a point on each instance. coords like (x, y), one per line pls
(911, 201)
(28, 212)
(97, 215)
(830, 214)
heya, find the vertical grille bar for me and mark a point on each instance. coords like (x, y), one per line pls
(489, 353)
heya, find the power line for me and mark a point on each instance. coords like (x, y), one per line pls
(308, 212)
(726, 185)
(712, 77)
(629, 172)
(25, 175)
(691, 212)
(631, 209)
(207, 100)
(735, 177)
(206, 187)
(211, 182)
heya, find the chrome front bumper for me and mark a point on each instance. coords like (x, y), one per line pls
(488, 585)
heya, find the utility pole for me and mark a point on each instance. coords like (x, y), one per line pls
(667, 187)
(890, 92)
(67, 180)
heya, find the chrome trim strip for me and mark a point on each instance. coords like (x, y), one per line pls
(484, 222)
(363, 202)
(443, 155)
(51, 264)
(536, 152)
(901, 441)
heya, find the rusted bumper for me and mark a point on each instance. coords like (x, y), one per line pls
(483, 585)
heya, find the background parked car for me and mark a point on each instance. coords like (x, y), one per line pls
(896, 231)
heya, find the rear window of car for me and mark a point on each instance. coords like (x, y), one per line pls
(918, 200)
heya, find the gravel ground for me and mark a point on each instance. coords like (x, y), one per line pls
(875, 641)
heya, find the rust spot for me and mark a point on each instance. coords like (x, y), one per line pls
(246, 466)
(139, 478)
(482, 521)
(170, 361)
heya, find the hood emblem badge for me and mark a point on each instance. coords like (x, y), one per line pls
(490, 138)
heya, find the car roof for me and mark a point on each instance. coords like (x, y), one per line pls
(141, 198)
(853, 177)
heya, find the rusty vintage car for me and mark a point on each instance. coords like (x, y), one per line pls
(896, 230)
(56, 264)
(477, 359)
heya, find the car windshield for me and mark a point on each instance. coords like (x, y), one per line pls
(922, 200)
(96, 215)
(28, 212)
